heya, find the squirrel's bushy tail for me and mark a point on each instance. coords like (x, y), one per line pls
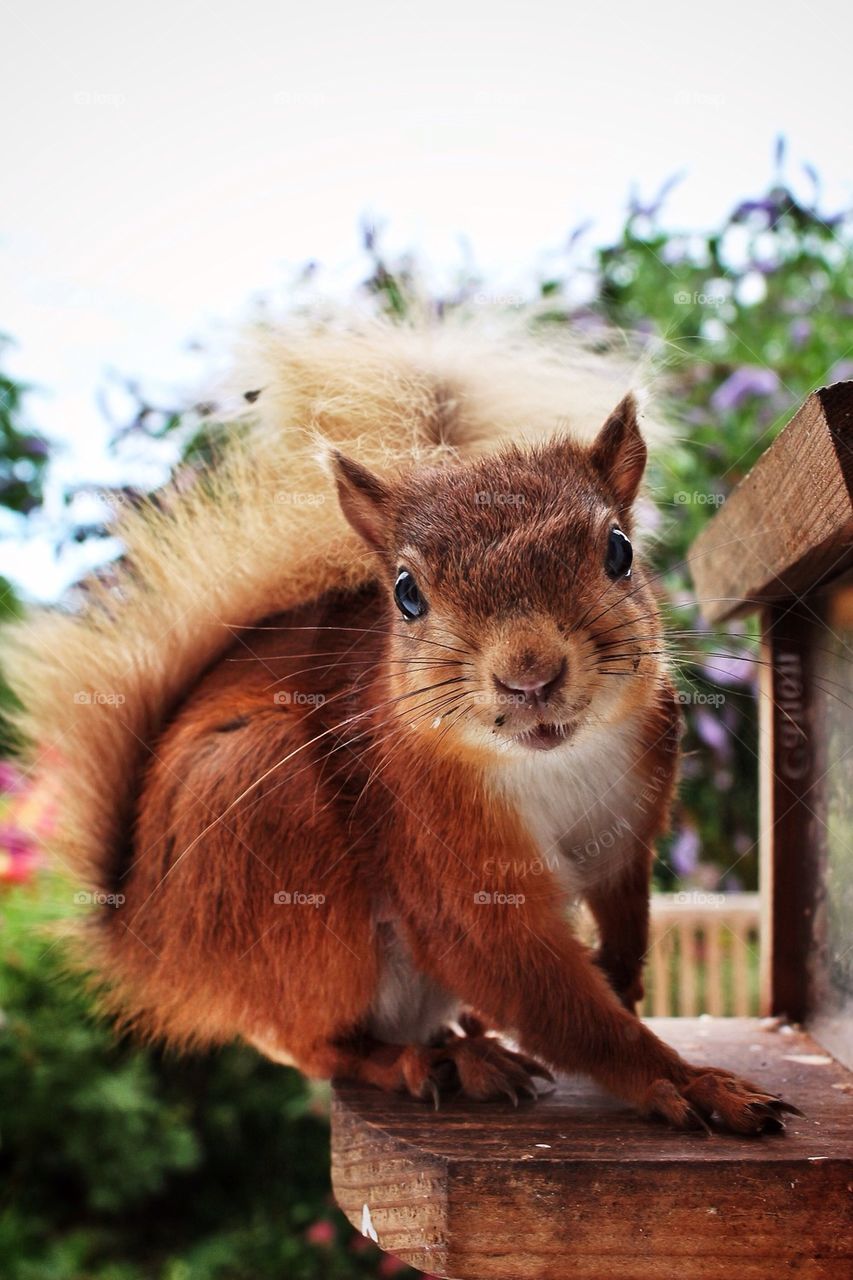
(261, 532)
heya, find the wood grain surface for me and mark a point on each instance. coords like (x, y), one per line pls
(789, 524)
(577, 1185)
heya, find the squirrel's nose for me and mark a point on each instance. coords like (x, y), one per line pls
(533, 690)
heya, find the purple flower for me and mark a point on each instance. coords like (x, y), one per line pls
(639, 210)
(769, 207)
(580, 230)
(712, 731)
(729, 669)
(765, 266)
(841, 371)
(800, 331)
(35, 447)
(750, 380)
(684, 854)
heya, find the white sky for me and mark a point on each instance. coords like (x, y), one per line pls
(165, 163)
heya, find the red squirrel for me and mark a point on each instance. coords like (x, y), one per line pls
(341, 808)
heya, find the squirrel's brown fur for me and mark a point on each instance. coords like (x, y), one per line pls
(264, 533)
(321, 817)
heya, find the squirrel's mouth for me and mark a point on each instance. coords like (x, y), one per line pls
(544, 737)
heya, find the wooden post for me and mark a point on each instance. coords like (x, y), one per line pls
(788, 820)
(783, 543)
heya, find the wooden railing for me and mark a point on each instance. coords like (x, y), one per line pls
(703, 955)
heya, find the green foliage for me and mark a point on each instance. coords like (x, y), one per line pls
(10, 608)
(23, 461)
(23, 453)
(754, 315)
(120, 1163)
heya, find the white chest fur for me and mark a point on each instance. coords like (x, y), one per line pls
(582, 803)
(409, 1007)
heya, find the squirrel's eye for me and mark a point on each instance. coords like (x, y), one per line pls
(409, 600)
(620, 555)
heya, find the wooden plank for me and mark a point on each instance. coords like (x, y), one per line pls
(789, 523)
(789, 863)
(713, 967)
(577, 1186)
(831, 1011)
(720, 920)
(740, 967)
(661, 962)
(687, 968)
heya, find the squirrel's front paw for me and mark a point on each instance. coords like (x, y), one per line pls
(712, 1095)
(488, 1070)
(479, 1067)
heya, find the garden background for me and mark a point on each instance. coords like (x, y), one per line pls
(122, 1163)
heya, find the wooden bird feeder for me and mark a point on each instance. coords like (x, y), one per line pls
(576, 1185)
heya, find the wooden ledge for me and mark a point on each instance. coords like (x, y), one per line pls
(789, 523)
(576, 1185)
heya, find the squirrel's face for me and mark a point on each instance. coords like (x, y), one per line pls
(518, 612)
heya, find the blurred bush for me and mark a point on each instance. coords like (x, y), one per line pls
(23, 461)
(123, 1164)
(23, 452)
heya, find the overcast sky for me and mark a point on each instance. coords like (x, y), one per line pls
(165, 163)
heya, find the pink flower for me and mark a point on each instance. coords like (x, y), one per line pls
(12, 781)
(391, 1266)
(321, 1233)
(18, 855)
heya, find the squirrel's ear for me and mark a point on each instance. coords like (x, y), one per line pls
(619, 452)
(363, 498)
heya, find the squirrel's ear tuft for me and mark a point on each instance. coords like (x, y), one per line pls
(363, 498)
(619, 452)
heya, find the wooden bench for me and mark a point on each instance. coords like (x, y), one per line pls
(576, 1185)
